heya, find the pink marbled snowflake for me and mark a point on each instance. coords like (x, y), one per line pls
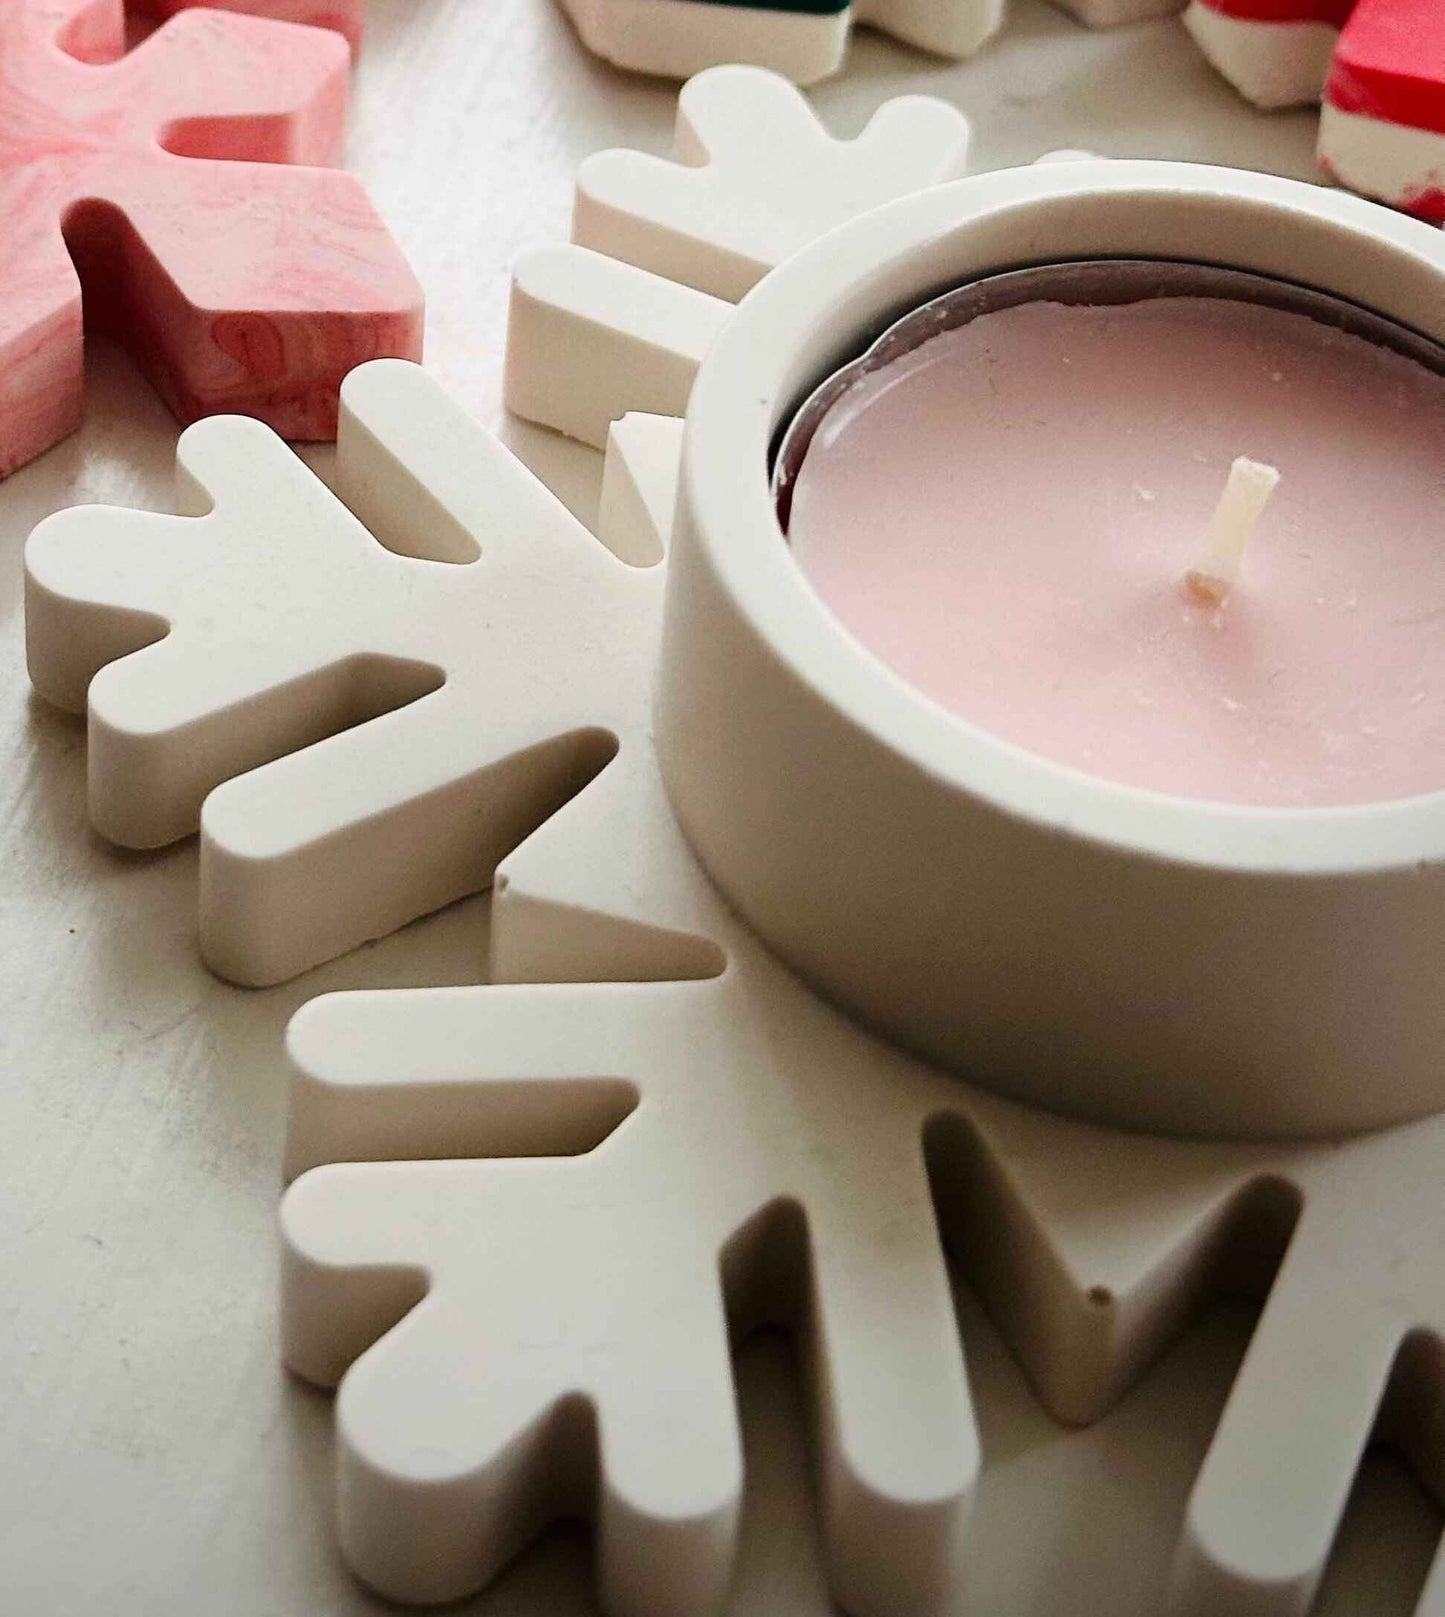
(183, 185)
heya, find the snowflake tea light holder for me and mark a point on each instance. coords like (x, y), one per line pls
(1299, 1000)
(470, 1144)
(520, 1207)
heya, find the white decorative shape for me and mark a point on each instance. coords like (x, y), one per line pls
(1272, 64)
(1391, 162)
(756, 178)
(639, 487)
(677, 38)
(709, 1128)
(597, 1280)
(591, 337)
(707, 1143)
(368, 730)
(1358, 1308)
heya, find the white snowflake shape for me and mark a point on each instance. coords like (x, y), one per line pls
(536, 1208)
(541, 1208)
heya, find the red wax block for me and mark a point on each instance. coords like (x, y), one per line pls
(344, 16)
(1390, 64)
(169, 183)
(1333, 12)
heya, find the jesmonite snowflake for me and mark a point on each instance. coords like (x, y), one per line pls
(107, 161)
(804, 39)
(1377, 67)
(528, 1215)
(254, 667)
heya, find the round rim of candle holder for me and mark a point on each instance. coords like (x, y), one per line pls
(1174, 965)
(1091, 282)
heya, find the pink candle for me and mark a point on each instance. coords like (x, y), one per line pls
(1007, 514)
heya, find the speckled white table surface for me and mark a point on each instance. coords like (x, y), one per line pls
(154, 1459)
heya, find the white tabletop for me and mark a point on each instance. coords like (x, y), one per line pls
(156, 1460)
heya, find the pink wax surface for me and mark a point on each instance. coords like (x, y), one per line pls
(1005, 516)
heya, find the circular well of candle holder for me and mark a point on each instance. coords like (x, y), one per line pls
(1145, 961)
(1092, 283)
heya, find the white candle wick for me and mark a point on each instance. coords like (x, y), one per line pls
(1240, 506)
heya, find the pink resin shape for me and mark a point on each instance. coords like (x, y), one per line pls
(167, 182)
(1005, 516)
(344, 16)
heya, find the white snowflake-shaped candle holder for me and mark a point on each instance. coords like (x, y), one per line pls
(528, 1217)
(711, 1142)
(804, 39)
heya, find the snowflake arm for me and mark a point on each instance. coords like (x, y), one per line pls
(1269, 1500)
(1359, 1284)
(416, 718)
(353, 837)
(435, 1497)
(159, 714)
(639, 486)
(609, 1229)
(589, 339)
(433, 1072)
(756, 178)
(594, 334)
(260, 105)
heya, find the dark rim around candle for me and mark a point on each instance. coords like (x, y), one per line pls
(1091, 282)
